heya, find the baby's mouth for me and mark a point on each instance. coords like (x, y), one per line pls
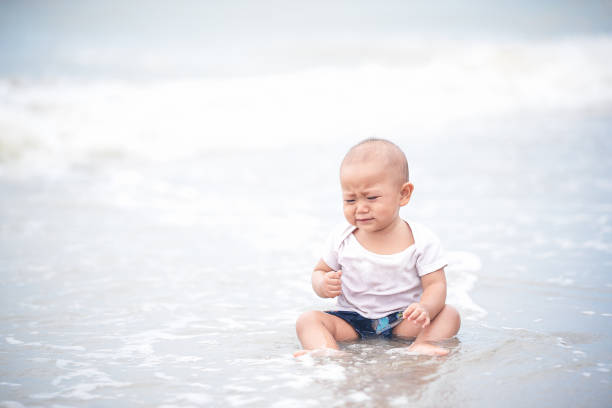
(364, 219)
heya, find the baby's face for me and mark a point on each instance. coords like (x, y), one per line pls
(372, 195)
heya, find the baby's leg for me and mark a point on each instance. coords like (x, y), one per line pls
(319, 330)
(445, 325)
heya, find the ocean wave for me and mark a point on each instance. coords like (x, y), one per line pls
(416, 87)
(461, 277)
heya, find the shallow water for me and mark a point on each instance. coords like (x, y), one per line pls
(176, 284)
(157, 238)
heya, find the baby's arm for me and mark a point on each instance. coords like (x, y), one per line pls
(325, 281)
(432, 300)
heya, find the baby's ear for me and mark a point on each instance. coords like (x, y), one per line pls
(406, 193)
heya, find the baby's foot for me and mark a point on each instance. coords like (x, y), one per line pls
(324, 352)
(428, 349)
(300, 353)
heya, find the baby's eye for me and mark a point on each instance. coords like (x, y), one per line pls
(373, 197)
(349, 201)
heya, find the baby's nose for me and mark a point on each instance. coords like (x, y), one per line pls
(362, 208)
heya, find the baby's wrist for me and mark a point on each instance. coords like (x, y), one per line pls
(317, 278)
(426, 308)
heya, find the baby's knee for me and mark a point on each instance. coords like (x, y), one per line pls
(451, 317)
(306, 319)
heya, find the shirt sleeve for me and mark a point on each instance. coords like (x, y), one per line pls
(431, 257)
(330, 251)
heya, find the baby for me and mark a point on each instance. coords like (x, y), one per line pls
(386, 273)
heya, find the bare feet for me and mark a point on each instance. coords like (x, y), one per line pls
(427, 349)
(323, 352)
(300, 353)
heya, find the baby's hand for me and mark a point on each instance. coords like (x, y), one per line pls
(332, 284)
(417, 313)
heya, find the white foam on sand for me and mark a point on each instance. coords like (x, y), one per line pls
(295, 381)
(318, 370)
(401, 401)
(330, 372)
(292, 403)
(358, 397)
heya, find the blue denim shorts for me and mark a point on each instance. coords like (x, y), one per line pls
(370, 327)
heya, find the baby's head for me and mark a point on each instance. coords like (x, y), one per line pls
(375, 184)
(379, 152)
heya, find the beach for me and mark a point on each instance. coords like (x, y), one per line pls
(157, 234)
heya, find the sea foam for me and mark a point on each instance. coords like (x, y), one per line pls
(65, 123)
(461, 276)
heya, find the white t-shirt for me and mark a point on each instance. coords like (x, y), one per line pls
(376, 285)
